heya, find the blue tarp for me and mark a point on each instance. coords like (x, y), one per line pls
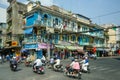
(28, 31)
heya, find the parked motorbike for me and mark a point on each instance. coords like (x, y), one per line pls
(72, 73)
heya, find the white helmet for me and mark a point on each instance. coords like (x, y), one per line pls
(14, 57)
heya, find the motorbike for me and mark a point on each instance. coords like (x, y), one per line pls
(28, 63)
(85, 68)
(50, 65)
(58, 68)
(39, 70)
(72, 73)
(13, 67)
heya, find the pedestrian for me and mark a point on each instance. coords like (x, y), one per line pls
(0, 59)
(7, 57)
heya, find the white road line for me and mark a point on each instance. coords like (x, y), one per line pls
(112, 70)
(104, 69)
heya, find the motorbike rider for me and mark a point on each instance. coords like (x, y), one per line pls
(13, 61)
(43, 59)
(75, 66)
(57, 62)
(85, 63)
(51, 62)
(37, 64)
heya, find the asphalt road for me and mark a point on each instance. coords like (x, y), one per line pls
(101, 69)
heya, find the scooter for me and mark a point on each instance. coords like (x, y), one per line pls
(85, 68)
(39, 70)
(72, 73)
(59, 68)
(28, 63)
(13, 67)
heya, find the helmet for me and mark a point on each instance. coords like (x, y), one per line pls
(14, 57)
(73, 60)
(76, 59)
(86, 57)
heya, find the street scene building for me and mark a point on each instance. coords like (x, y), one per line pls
(39, 42)
(44, 29)
(53, 27)
(14, 29)
(3, 27)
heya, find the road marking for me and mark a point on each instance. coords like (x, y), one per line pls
(104, 69)
(112, 70)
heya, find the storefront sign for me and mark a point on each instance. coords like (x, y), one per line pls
(30, 46)
(42, 46)
(14, 43)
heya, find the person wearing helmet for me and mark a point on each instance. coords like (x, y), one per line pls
(37, 63)
(13, 61)
(85, 63)
(57, 62)
(75, 66)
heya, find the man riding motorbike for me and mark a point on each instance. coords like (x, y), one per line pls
(13, 62)
(37, 64)
(57, 63)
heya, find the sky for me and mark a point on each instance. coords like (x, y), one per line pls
(2, 17)
(99, 11)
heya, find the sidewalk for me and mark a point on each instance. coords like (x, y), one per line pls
(118, 56)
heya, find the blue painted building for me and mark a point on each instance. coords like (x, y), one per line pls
(53, 25)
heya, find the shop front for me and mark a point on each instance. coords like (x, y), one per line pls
(31, 48)
(102, 51)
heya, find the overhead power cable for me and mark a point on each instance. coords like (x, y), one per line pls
(116, 12)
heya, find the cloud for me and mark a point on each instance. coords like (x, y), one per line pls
(3, 17)
(43, 2)
(4, 2)
(46, 2)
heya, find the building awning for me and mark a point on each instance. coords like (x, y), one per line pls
(103, 49)
(78, 47)
(30, 46)
(60, 46)
(64, 43)
(28, 31)
(71, 47)
(42, 46)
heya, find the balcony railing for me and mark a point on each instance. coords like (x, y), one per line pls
(68, 28)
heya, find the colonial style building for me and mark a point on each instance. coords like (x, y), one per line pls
(48, 28)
